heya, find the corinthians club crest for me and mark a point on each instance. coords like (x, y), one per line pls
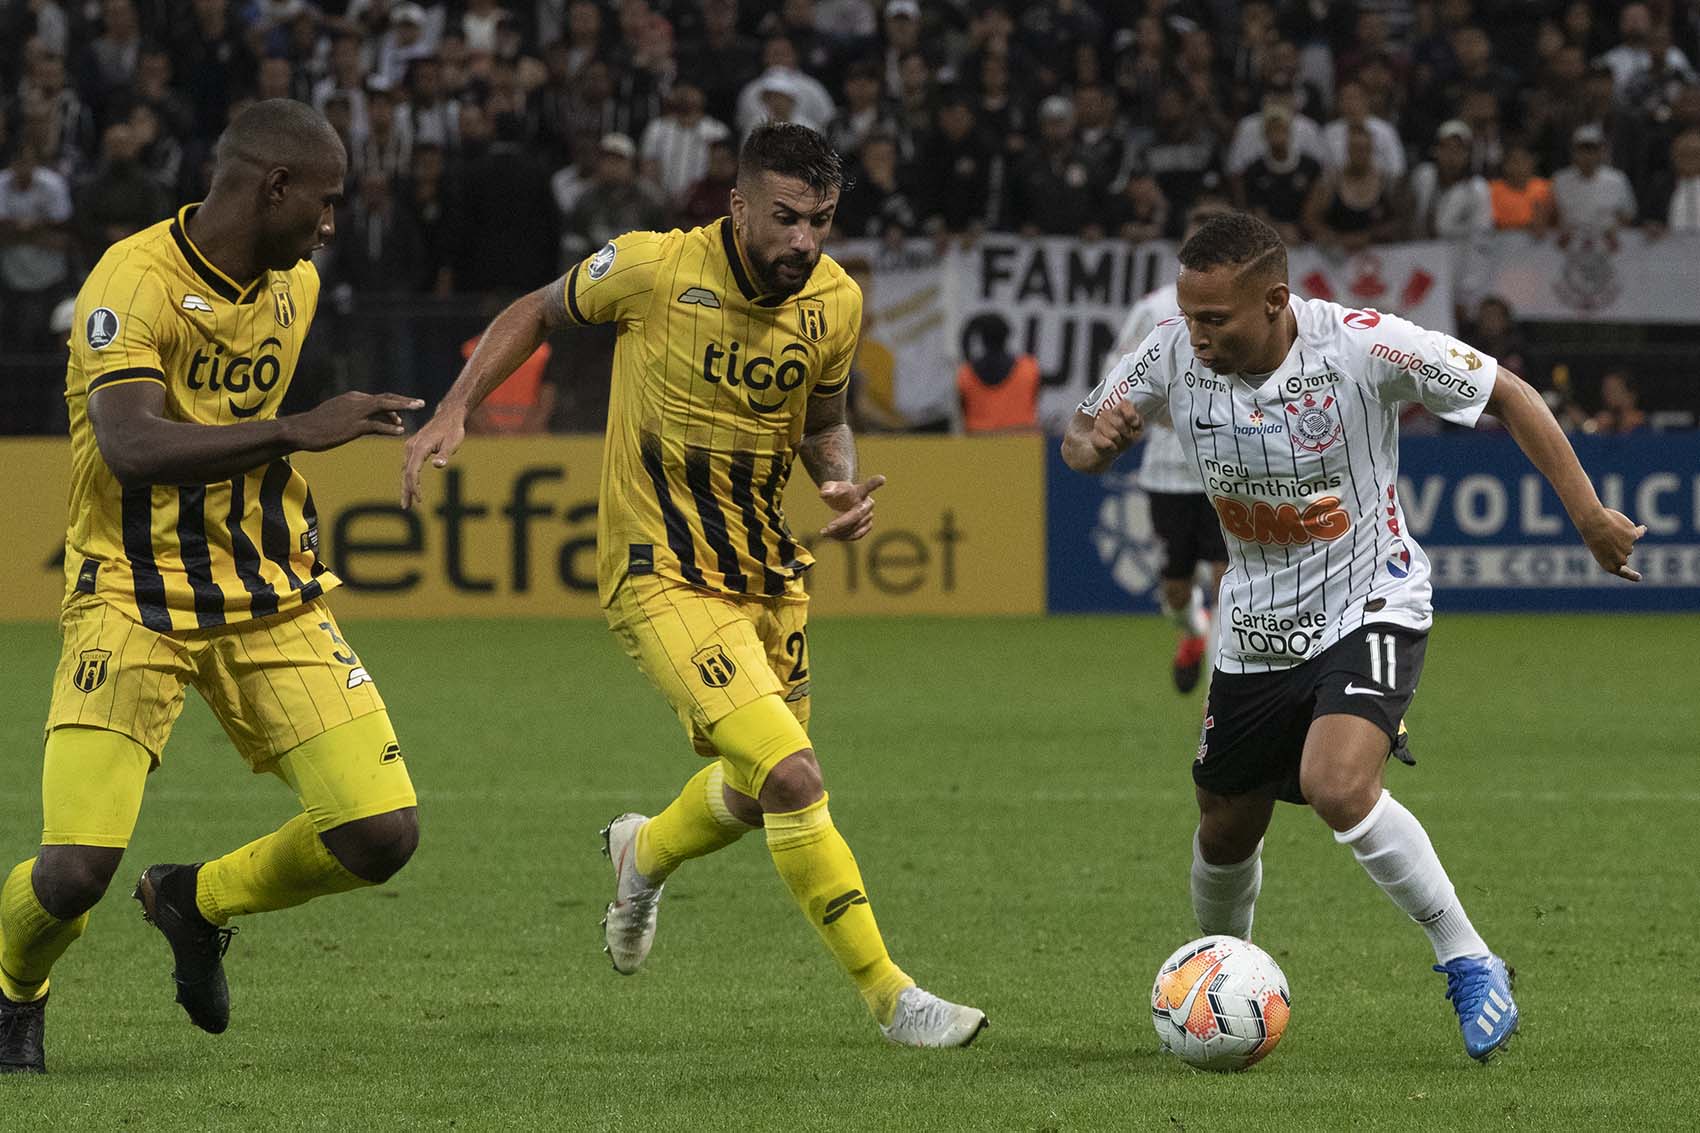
(1315, 425)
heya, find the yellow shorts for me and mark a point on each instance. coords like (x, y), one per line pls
(274, 683)
(711, 654)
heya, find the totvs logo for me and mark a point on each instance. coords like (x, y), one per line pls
(1283, 525)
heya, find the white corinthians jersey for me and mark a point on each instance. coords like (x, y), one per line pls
(1301, 468)
(1164, 467)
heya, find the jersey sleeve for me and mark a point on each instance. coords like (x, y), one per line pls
(121, 327)
(1140, 377)
(613, 284)
(1406, 362)
(847, 334)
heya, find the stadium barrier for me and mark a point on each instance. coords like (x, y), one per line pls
(509, 530)
(1493, 529)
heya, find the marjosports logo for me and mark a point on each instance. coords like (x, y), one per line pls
(1316, 425)
(1414, 363)
(1283, 525)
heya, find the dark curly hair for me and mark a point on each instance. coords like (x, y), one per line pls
(1236, 239)
(791, 150)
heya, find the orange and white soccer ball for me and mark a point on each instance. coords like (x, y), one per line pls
(1220, 1003)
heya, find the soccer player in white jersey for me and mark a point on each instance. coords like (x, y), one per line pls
(1288, 407)
(1180, 511)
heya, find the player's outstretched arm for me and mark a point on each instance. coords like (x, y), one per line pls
(1609, 534)
(1091, 444)
(828, 449)
(142, 446)
(510, 339)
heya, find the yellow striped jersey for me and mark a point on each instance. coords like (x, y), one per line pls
(179, 557)
(710, 387)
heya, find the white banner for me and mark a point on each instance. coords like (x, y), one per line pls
(1064, 300)
(906, 320)
(1624, 278)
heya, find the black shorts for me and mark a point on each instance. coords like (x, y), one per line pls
(1255, 724)
(1189, 529)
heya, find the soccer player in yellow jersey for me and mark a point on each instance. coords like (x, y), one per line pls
(733, 359)
(191, 559)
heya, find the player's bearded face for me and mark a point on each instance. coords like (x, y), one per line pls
(1231, 321)
(782, 223)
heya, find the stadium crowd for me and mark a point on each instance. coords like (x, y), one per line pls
(492, 142)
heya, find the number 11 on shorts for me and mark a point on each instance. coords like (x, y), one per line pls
(1380, 643)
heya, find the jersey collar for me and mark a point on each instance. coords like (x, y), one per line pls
(741, 273)
(222, 285)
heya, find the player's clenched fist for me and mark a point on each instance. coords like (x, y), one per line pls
(1115, 428)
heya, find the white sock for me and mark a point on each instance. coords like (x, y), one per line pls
(1180, 617)
(1395, 851)
(1224, 897)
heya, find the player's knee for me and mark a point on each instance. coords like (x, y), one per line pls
(70, 880)
(1340, 801)
(374, 849)
(794, 783)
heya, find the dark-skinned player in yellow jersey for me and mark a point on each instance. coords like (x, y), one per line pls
(191, 559)
(733, 359)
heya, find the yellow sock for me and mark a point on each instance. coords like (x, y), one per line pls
(285, 868)
(694, 824)
(821, 872)
(31, 938)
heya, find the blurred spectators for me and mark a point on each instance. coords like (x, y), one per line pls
(1521, 199)
(1352, 124)
(1589, 195)
(1620, 406)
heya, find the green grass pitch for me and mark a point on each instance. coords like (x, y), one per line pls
(1017, 792)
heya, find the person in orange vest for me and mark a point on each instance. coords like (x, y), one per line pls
(999, 390)
(519, 406)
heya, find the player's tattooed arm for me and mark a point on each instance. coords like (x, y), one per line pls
(828, 449)
(509, 340)
(143, 446)
(1609, 534)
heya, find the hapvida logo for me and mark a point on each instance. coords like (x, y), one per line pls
(1258, 427)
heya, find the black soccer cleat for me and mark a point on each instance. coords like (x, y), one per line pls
(167, 896)
(21, 1027)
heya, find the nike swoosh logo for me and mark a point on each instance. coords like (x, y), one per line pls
(1178, 1015)
(1197, 424)
(1355, 690)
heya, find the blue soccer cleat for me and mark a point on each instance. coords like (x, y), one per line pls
(1480, 991)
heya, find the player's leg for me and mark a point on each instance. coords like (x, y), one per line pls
(1341, 775)
(1227, 860)
(1247, 758)
(92, 783)
(769, 758)
(325, 732)
(1171, 517)
(115, 695)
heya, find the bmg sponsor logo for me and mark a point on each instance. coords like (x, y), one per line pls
(1283, 525)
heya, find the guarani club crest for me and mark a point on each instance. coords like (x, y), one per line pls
(1315, 424)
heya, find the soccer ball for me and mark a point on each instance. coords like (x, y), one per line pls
(1219, 1003)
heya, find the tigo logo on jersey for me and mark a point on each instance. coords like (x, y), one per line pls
(102, 327)
(1316, 425)
(1363, 320)
(236, 375)
(758, 374)
(602, 261)
(811, 317)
